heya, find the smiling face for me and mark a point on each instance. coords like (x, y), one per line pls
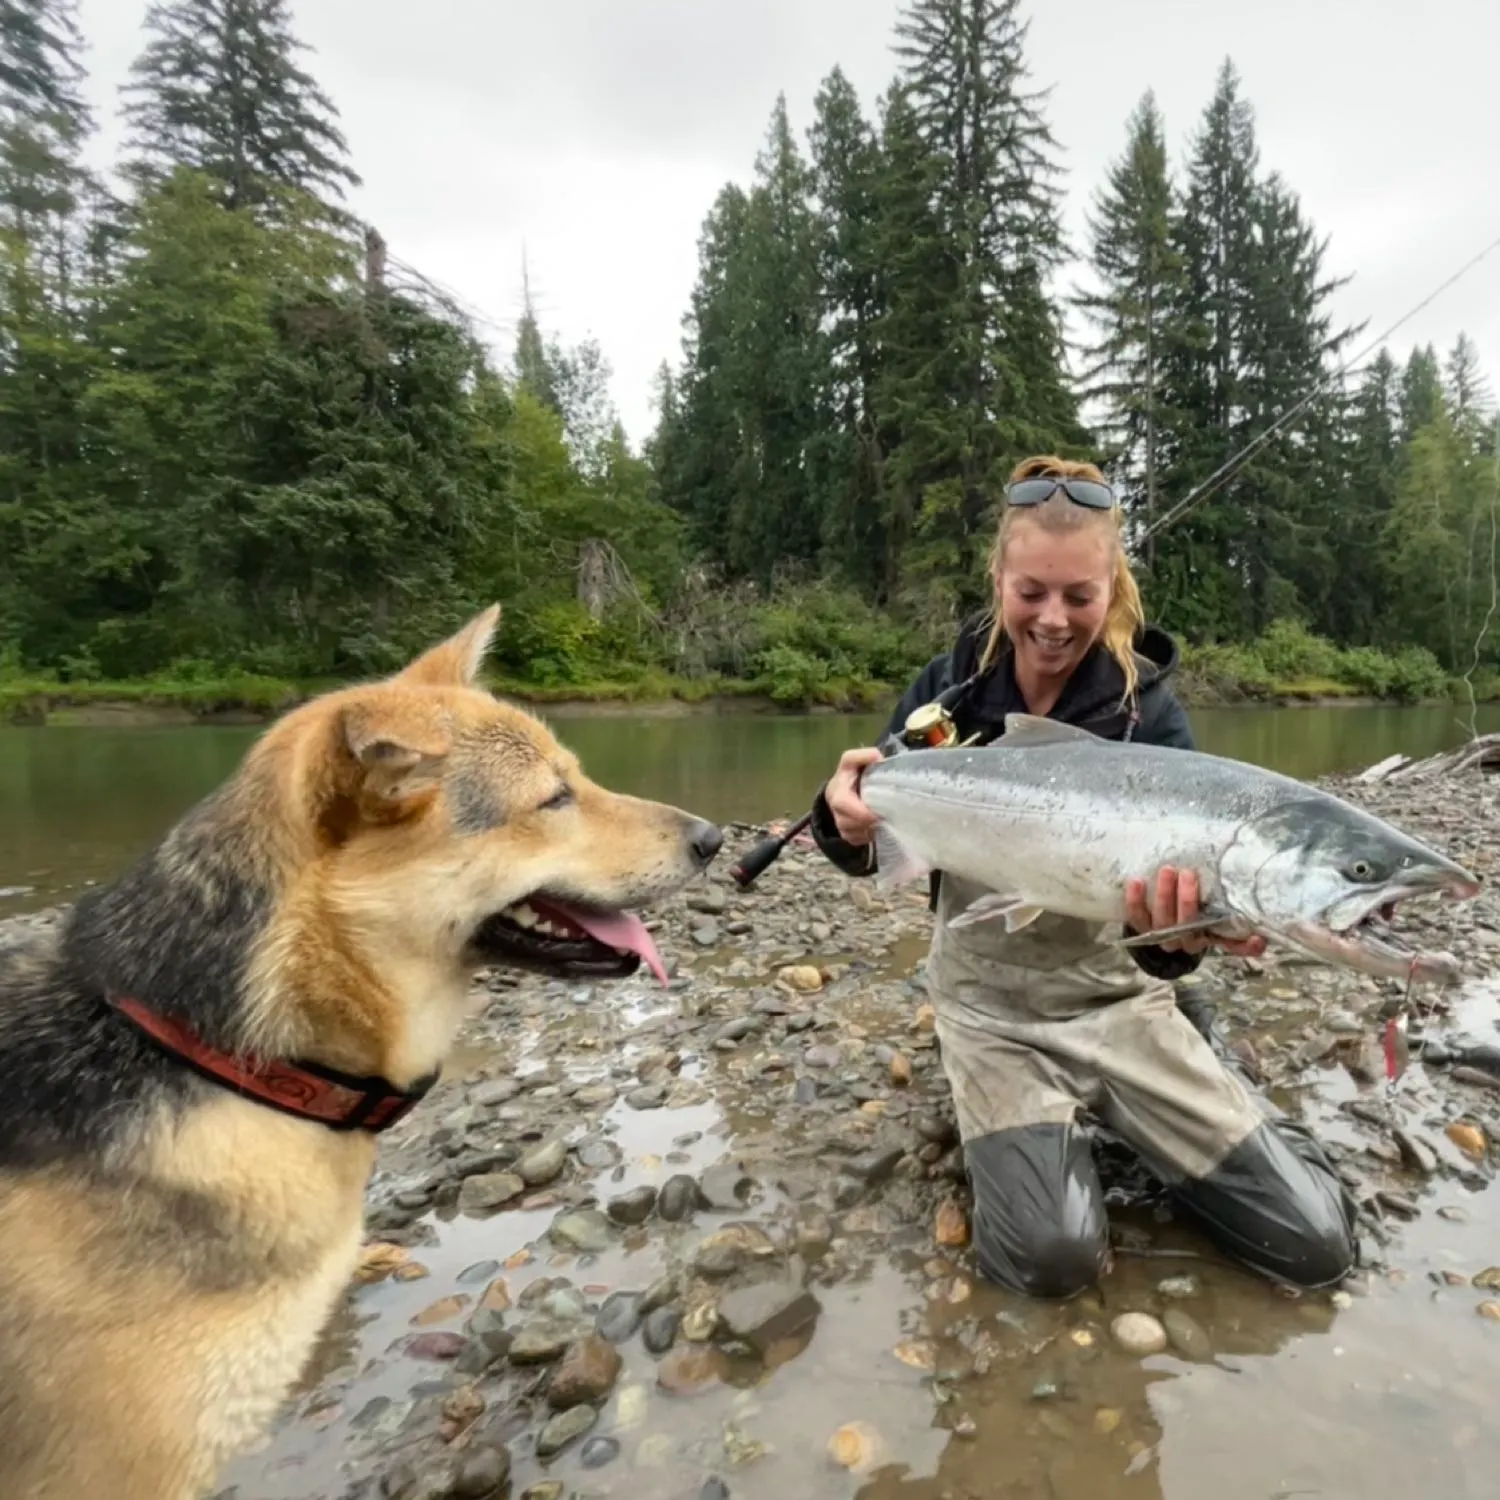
(1053, 589)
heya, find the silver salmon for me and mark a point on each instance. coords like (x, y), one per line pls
(1053, 818)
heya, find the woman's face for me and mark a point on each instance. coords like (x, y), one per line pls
(1054, 591)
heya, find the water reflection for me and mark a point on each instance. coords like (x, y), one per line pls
(80, 802)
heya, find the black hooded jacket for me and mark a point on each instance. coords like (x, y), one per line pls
(1092, 700)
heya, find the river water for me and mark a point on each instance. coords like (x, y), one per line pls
(79, 802)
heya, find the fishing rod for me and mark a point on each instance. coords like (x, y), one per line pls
(929, 726)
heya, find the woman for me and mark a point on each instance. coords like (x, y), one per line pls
(1040, 1025)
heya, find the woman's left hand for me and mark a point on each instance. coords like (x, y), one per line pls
(1175, 899)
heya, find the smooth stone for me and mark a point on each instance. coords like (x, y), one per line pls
(649, 1096)
(489, 1192)
(712, 900)
(586, 1230)
(542, 1164)
(822, 1057)
(1186, 1335)
(599, 1156)
(678, 1198)
(1139, 1334)
(659, 1330)
(633, 1207)
(714, 1488)
(619, 1317)
(738, 1029)
(586, 1373)
(663, 1290)
(483, 1472)
(540, 1342)
(688, 1368)
(566, 1427)
(599, 1451)
(481, 1270)
(725, 1187)
(723, 1253)
(1416, 1153)
(875, 1167)
(763, 1314)
(594, 1094)
(500, 1091)
(706, 933)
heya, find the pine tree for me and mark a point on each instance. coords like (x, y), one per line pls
(964, 78)
(218, 88)
(846, 166)
(1468, 393)
(1421, 395)
(1137, 269)
(1357, 610)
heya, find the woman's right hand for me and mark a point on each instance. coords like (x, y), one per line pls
(854, 821)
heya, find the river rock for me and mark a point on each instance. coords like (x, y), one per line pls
(760, 1315)
(488, 1192)
(599, 1155)
(688, 1369)
(705, 933)
(482, 1473)
(586, 1373)
(619, 1317)
(1139, 1334)
(542, 1163)
(599, 1451)
(1178, 1288)
(1186, 1336)
(678, 1198)
(633, 1207)
(725, 1252)
(875, 1167)
(566, 1427)
(540, 1342)
(712, 900)
(664, 1289)
(822, 1057)
(1416, 1153)
(725, 1187)
(585, 1229)
(659, 1330)
(648, 1096)
(803, 978)
(441, 1344)
(738, 1029)
(495, 1093)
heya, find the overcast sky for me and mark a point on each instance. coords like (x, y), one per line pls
(597, 132)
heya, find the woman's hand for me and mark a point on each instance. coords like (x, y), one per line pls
(1175, 899)
(854, 821)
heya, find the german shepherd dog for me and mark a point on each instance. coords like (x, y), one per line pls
(194, 1064)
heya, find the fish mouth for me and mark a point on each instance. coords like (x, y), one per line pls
(1356, 933)
(568, 939)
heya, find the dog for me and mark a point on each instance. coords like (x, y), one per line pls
(195, 1063)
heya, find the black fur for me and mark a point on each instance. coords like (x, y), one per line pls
(472, 802)
(174, 931)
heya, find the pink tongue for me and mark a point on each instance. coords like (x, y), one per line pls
(620, 929)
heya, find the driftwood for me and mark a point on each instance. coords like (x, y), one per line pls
(1480, 754)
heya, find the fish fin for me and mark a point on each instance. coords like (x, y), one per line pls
(1031, 729)
(1014, 909)
(895, 864)
(1182, 929)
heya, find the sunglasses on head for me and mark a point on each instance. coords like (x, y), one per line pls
(1087, 492)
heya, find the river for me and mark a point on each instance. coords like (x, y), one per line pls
(79, 802)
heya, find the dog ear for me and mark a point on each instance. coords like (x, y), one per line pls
(398, 761)
(456, 661)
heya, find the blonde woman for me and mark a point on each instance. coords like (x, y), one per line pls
(1046, 1026)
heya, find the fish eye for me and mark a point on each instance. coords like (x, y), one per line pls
(1362, 870)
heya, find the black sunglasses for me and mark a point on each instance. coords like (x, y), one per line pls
(1087, 492)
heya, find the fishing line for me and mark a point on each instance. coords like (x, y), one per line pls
(1232, 465)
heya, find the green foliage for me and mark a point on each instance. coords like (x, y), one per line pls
(238, 457)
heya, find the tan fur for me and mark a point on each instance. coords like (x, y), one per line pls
(152, 1369)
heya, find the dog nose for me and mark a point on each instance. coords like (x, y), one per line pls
(706, 840)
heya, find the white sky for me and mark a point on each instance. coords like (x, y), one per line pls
(596, 133)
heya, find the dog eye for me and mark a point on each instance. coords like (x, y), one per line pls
(558, 799)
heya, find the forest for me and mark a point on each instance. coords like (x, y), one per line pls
(246, 449)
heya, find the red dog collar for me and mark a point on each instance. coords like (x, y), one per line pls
(306, 1090)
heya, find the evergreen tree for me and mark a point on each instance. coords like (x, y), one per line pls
(846, 166)
(1137, 270)
(965, 80)
(1361, 508)
(1421, 396)
(218, 88)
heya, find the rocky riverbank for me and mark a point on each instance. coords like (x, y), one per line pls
(713, 1241)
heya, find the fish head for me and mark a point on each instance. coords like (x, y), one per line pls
(1323, 875)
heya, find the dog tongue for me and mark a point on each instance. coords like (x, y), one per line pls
(619, 929)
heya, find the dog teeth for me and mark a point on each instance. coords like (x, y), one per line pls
(524, 916)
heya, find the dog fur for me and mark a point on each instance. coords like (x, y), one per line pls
(170, 1251)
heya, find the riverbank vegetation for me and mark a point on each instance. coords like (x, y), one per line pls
(246, 448)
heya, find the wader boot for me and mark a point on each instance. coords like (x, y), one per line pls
(1038, 1027)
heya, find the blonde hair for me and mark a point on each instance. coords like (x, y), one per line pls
(1125, 617)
